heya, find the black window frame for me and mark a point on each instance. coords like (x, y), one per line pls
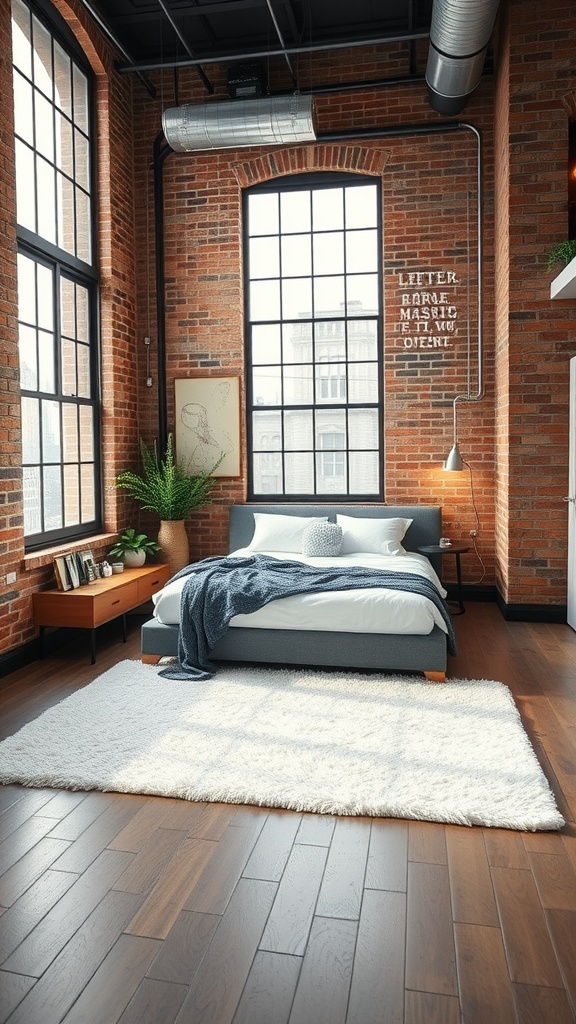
(65, 264)
(316, 180)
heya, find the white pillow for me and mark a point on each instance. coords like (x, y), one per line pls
(280, 533)
(322, 540)
(377, 536)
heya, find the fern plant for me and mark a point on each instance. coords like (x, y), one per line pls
(164, 486)
(564, 252)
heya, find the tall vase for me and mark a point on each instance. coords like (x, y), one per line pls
(173, 540)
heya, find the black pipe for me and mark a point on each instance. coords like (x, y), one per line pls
(160, 155)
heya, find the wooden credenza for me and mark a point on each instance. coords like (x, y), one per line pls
(93, 604)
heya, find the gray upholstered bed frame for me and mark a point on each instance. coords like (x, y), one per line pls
(380, 651)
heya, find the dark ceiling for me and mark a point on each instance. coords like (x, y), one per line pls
(167, 33)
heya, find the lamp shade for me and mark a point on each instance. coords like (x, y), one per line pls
(454, 462)
(267, 121)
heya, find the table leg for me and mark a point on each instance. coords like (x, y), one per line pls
(459, 585)
(93, 645)
(124, 634)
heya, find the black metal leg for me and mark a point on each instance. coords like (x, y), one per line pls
(459, 586)
(93, 645)
(124, 634)
(41, 644)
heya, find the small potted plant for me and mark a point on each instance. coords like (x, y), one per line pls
(166, 488)
(132, 547)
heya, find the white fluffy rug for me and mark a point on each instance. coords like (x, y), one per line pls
(336, 743)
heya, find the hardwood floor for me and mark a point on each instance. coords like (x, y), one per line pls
(138, 910)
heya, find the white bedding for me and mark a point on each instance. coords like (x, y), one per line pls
(349, 611)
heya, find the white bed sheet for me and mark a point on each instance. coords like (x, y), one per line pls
(351, 611)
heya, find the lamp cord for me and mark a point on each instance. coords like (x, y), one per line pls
(473, 499)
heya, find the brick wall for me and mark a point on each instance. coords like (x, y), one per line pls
(515, 439)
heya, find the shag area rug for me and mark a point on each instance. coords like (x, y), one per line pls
(330, 742)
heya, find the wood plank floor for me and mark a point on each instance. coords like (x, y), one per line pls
(138, 910)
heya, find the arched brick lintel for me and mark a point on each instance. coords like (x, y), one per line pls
(317, 157)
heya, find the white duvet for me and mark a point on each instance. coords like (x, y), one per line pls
(349, 611)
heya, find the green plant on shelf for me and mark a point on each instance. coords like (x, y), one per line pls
(562, 253)
(131, 540)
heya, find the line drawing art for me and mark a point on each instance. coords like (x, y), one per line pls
(207, 417)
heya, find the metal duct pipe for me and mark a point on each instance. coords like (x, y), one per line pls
(267, 121)
(459, 35)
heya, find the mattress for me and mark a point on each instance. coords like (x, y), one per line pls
(351, 611)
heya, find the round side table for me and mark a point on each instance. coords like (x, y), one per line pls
(456, 550)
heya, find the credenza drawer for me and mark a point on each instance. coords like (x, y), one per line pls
(148, 585)
(108, 605)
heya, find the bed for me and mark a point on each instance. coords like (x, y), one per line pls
(424, 650)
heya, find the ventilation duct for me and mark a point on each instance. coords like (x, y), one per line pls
(459, 35)
(268, 121)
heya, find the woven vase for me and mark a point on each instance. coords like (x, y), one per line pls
(173, 540)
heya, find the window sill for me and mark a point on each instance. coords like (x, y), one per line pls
(564, 285)
(38, 559)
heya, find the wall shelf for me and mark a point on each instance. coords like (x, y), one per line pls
(564, 285)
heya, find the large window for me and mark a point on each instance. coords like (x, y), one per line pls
(314, 343)
(56, 280)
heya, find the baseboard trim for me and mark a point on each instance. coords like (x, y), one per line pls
(531, 612)
(471, 592)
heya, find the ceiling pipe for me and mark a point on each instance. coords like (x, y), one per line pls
(267, 121)
(223, 58)
(460, 31)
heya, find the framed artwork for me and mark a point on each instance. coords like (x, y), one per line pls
(207, 415)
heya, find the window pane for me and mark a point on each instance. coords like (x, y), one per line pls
(28, 358)
(86, 433)
(362, 293)
(80, 86)
(363, 428)
(31, 487)
(266, 343)
(71, 496)
(21, 38)
(296, 298)
(298, 384)
(328, 207)
(70, 432)
(266, 427)
(44, 126)
(52, 493)
(363, 469)
(88, 493)
(83, 228)
(361, 208)
(265, 300)
(299, 469)
(329, 253)
(264, 257)
(64, 157)
(26, 290)
(25, 187)
(297, 343)
(82, 314)
(47, 204)
(330, 341)
(66, 216)
(298, 430)
(294, 212)
(82, 160)
(263, 214)
(51, 450)
(329, 296)
(361, 251)
(30, 430)
(296, 259)
(330, 429)
(23, 117)
(42, 57)
(268, 474)
(266, 385)
(363, 383)
(68, 367)
(362, 339)
(83, 370)
(45, 297)
(47, 375)
(67, 307)
(62, 80)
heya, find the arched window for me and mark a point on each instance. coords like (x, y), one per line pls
(314, 335)
(57, 278)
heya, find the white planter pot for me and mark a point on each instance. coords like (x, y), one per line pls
(134, 559)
